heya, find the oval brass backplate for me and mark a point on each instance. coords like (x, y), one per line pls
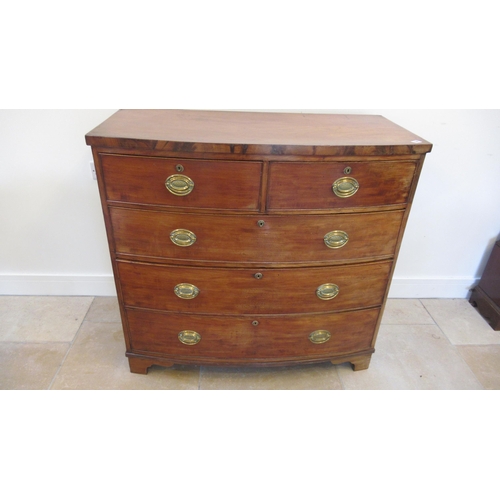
(345, 187)
(336, 239)
(328, 291)
(183, 238)
(186, 291)
(320, 337)
(179, 185)
(189, 337)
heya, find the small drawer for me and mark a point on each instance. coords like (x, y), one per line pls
(253, 291)
(265, 239)
(251, 339)
(198, 184)
(338, 185)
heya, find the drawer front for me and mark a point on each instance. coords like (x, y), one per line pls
(253, 291)
(310, 186)
(221, 337)
(290, 239)
(224, 185)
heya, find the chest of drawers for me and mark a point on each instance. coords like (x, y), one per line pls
(259, 239)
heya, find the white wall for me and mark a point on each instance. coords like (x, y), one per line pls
(52, 237)
(455, 219)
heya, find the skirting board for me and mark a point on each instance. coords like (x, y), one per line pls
(401, 288)
(432, 288)
(99, 286)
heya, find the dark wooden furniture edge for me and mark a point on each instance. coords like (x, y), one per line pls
(486, 307)
(140, 364)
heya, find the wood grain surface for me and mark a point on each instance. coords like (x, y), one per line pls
(217, 184)
(255, 133)
(237, 291)
(308, 186)
(283, 240)
(261, 206)
(236, 338)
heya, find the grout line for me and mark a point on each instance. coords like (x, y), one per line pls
(340, 378)
(469, 367)
(70, 346)
(410, 324)
(455, 346)
(430, 315)
(29, 342)
(438, 326)
(477, 345)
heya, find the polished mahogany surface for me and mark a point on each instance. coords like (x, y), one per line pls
(242, 238)
(255, 133)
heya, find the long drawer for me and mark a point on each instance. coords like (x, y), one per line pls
(338, 185)
(253, 291)
(255, 239)
(203, 184)
(246, 339)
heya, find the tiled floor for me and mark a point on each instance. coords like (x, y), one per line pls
(77, 343)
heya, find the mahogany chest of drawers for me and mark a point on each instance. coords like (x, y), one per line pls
(260, 239)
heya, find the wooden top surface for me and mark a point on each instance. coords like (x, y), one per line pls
(255, 133)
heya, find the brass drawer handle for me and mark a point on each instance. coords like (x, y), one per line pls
(179, 185)
(328, 291)
(182, 238)
(186, 291)
(188, 337)
(336, 239)
(345, 187)
(320, 337)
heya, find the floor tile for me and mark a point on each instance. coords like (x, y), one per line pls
(406, 312)
(104, 309)
(461, 322)
(77, 343)
(41, 319)
(311, 377)
(97, 360)
(484, 361)
(30, 366)
(412, 357)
